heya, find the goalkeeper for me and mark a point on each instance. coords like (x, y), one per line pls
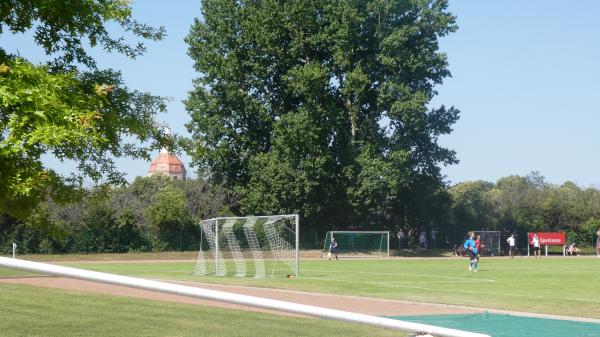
(333, 249)
(471, 247)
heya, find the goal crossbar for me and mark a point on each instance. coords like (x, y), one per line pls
(253, 216)
(238, 237)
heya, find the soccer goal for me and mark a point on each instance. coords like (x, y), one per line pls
(490, 242)
(258, 246)
(362, 244)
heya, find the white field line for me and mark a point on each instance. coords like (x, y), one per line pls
(380, 283)
(477, 292)
(399, 274)
(401, 285)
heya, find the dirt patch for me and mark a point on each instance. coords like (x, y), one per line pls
(364, 305)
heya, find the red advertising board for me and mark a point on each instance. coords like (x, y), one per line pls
(549, 238)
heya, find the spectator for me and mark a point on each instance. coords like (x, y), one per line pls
(401, 238)
(423, 240)
(535, 242)
(573, 250)
(504, 235)
(598, 242)
(458, 250)
(512, 247)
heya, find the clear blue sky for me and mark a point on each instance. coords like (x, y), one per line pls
(524, 75)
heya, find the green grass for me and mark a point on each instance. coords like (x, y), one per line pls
(32, 311)
(563, 286)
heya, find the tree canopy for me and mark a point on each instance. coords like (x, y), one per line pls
(322, 107)
(68, 108)
(525, 204)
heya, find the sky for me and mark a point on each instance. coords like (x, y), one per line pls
(524, 76)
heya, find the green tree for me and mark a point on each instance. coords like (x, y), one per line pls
(97, 231)
(321, 107)
(68, 108)
(167, 215)
(473, 207)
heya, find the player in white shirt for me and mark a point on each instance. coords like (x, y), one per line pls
(511, 245)
(535, 242)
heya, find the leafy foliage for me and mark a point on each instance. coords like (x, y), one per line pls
(65, 29)
(154, 213)
(321, 107)
(526, 204)
(57, 110)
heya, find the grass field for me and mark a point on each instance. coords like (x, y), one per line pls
(562, 286)
(32, 311)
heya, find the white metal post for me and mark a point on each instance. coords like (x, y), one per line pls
(546, 250)
(499, 247)
(297, 245)
(14, 245)
(388, 244)
(528, 244)
(217, 246)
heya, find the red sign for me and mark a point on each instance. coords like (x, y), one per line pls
(549, 239)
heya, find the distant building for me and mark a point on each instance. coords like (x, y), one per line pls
(167, 164)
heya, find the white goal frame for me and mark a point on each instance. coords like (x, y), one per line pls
(333, 233)
(497, 251)
(221, 221)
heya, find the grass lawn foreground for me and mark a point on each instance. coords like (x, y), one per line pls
(33, 311)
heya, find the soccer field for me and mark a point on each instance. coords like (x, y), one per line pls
(561, 286)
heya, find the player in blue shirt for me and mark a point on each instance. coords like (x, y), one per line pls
(471, 248)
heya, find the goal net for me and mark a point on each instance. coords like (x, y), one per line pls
(258, 246)
(490, 242)
(375, 244)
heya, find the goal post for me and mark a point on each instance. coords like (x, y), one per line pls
(258, 246)
(358, 244)
(490, 242)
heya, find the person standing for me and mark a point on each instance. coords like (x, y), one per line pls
(535, 242)
(433, 237)
(401, 238)
(478, 243)
(478, 246)
(598, 242)
(333, 249)
(511, 246)
(471, 248)
(423, 240)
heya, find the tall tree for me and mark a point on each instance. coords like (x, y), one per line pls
(68, 108)
(321, 107)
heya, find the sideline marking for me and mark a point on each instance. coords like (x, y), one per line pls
(375, 282)
(499, 294)
(397, 274)
(401, 285)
